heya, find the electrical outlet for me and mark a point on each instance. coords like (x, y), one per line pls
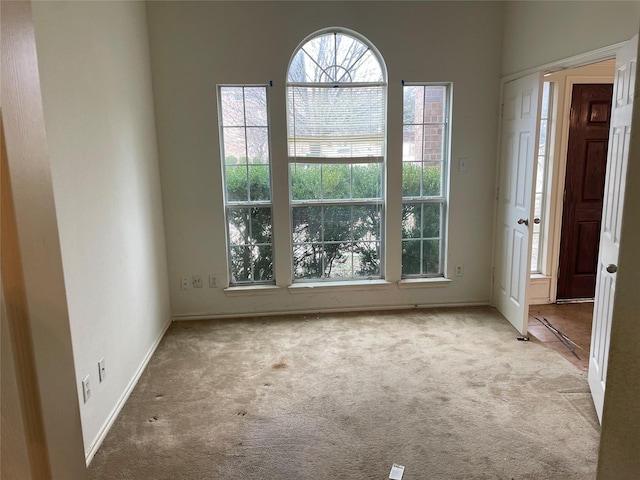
(102, 370)
(184, 283)
(459, 270)
(213, 281)
(462, 164)
(86, 389)
(197, 281)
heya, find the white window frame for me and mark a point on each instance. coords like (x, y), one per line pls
(295, 161)
(443, 198)
(248, 204)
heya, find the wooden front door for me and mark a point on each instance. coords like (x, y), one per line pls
(584, 189)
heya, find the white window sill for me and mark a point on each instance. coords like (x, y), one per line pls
(540, 277)
(351, 285)
(252, 290)
(424, 282)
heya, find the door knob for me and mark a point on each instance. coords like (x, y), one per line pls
(523, 220)
(536, 221)
(611, 268)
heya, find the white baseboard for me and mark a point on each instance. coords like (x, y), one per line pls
(213, 316)
(97, 442)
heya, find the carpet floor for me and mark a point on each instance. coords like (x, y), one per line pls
(448, 393)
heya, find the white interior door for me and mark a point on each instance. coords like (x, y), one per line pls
(619, 137)
(512, 255)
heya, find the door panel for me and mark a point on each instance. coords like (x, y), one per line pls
(612, 218)
(584, 188)
(512, 255)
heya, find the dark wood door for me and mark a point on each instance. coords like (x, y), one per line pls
(584, 189)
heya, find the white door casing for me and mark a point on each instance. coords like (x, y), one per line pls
(518, 145)
(618, 156)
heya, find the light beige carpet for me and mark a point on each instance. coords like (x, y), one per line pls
(448, 393)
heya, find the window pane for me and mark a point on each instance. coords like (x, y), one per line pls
(263, 266)
(366, 180)
(308, 261)
(433, 142)
(240, 264)
(411, 257)
(411, 173)
(431, 220)
(430, 257)
(258, 145)
(337, 224)
(256, 106)
(367, 259)
(412, 143)
(244, 135)
(260, 184)
(305, 182)
(261, 225)
(232, 104)
(366, 222)
(238, 221)
(432, 179)
(307, 224)
(411, 220)
(335, 57)
(235, 146)
(338, 260)
(434, 108)
(236, 179)
(413, 104)
(336, 181)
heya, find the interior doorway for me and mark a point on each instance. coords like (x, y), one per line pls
(569, 197)
(554, 171)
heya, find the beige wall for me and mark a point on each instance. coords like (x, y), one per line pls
(98, 105)
(539, 32)
(195, 46)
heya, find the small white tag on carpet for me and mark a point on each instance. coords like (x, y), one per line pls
(396, 472)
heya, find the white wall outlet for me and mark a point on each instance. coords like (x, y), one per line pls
(462, 164)
(213, 281)
(197, 281)
(102, 370)
(184, 283)
(459, 270)
(86, 389)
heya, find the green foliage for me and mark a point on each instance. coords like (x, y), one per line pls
(250, 227)
(431, 175)
(327, 238)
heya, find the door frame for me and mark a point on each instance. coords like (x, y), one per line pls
(558, 165)
(548, 281)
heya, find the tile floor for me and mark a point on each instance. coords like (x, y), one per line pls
(572, 319)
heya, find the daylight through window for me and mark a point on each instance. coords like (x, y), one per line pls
(247, 178)
(425, 151)
(336, 123)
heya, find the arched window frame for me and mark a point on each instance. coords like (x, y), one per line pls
(329, 240)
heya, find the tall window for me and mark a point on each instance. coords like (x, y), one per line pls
(425, 153)
(245, 150)
(336, 109)
(541, 176)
